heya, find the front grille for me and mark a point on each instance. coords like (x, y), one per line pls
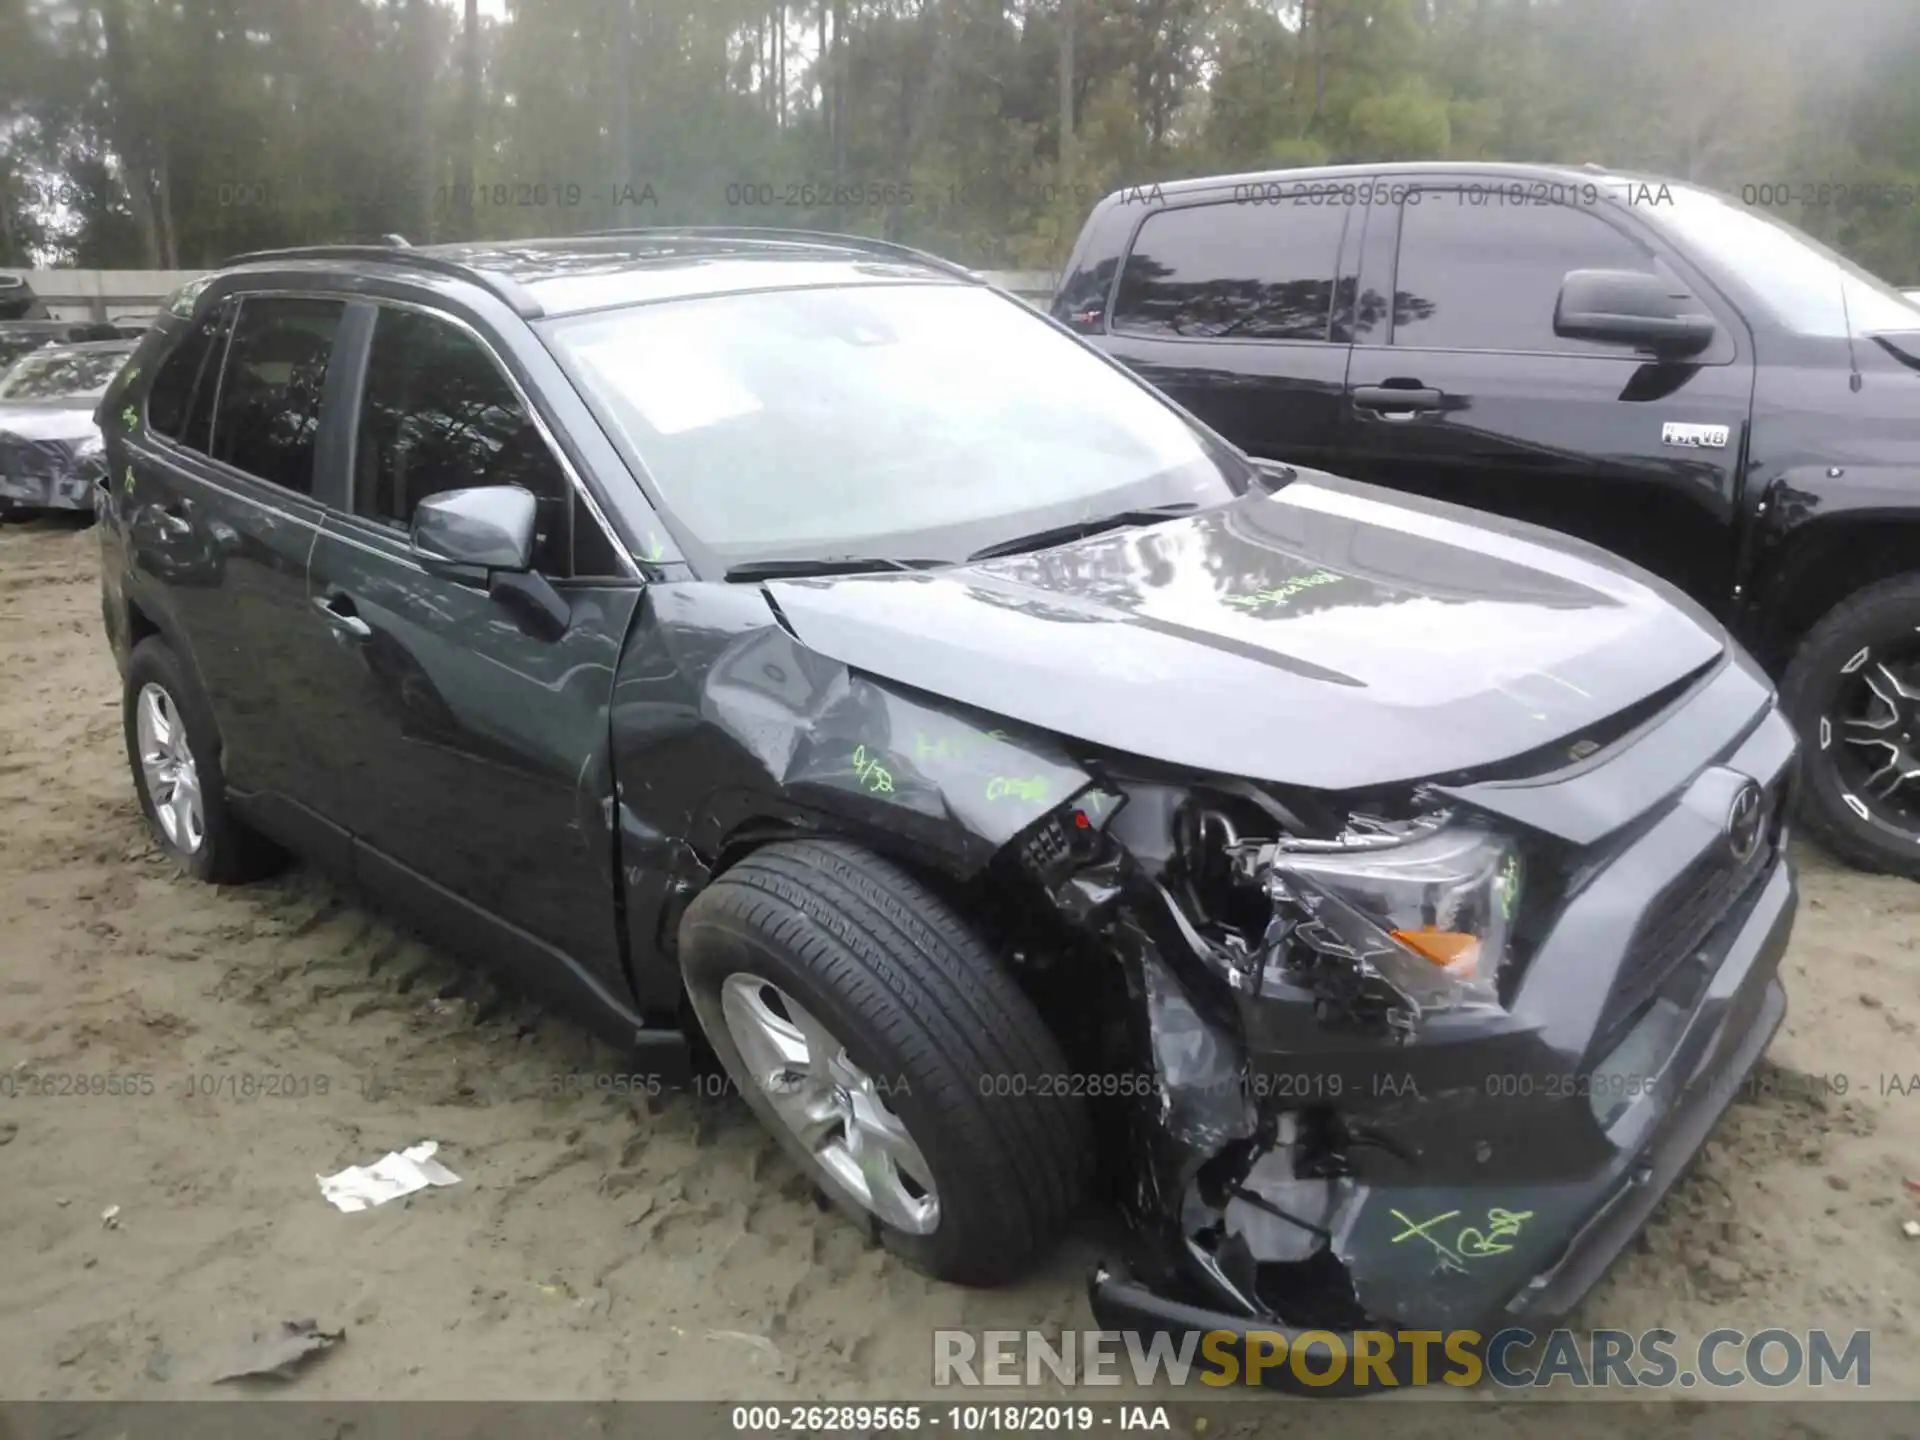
(1680, 919)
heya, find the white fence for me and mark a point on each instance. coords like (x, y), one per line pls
(137, 294)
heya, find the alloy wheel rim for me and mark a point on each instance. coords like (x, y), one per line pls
(837, 1111)
(1871, 737)
(173, 780)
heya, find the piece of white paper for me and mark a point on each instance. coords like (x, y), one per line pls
(361, 1187)
(677, 392)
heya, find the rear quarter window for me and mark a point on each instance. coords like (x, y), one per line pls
(135, 379)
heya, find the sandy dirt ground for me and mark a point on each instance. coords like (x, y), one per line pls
(604, 1246)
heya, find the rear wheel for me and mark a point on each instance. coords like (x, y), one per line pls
(1853, 692)
(897, 1064)
(176, 772)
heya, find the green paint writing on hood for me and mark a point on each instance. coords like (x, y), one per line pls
(1284, 591)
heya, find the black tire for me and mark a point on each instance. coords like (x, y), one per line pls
(229, 853)
(911, 992)
(1880, 616)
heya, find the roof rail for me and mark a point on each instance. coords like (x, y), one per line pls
(407, 257)
(890, 248)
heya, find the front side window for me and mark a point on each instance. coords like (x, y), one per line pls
(1475, 274)
(269, 401)
(894, 420)
(1262, 272)
(438, 415)
(1805, 286)
(55, 374)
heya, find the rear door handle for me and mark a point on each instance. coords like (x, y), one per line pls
(1391, 402)
(338, 610)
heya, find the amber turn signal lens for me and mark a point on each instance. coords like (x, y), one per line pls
(1451, 950)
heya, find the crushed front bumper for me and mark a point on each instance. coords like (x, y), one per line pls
(1579, 1226)
(52, 473)
(47, 489)
(1506, 1164)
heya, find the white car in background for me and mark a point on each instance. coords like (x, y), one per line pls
(50, 449)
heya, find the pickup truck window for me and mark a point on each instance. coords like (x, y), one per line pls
(1479, 274)
(1262, 271)
(1796, 278)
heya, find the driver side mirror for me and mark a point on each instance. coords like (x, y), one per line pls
(487, 527)
(486, 534)
(1631, 307)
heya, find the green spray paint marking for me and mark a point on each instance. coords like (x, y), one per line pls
(1469, 1242)
(1096, 802)
(1005, 786)
(1286, 590)
(130, 418)
(873, 775)
(951, 747)
(1506, 886)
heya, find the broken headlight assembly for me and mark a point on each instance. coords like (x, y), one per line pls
(1418, 917)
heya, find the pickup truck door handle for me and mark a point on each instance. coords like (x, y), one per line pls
(338, 610)
(1391, 402)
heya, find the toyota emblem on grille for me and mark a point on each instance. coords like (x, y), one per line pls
(1746, 820)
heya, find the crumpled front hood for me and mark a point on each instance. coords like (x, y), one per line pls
(1332, 635)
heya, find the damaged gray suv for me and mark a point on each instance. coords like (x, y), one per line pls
(792, 640)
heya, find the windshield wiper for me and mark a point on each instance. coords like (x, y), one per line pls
(1080, 529)
(824, 565)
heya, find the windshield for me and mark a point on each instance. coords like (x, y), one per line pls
(12, 347)
(919, 421)
(62, 374)
(1798, 279)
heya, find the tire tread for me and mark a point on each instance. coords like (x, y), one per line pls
(931, 995)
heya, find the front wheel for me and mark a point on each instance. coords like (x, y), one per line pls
(899, 1066)
(1853, 692)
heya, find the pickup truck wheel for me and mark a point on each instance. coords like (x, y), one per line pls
(1853, 692)
(176, 772)
(899, 1066)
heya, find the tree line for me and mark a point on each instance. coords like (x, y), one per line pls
(172, 133)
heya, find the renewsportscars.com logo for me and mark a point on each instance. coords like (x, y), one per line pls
(1381, 1359)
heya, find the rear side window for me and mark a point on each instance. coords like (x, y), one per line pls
(438, 415)
(269, 402)
(185, 375)
(1262, 272)
(1486, 276)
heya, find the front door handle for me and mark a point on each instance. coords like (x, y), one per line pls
(338, 610)
(1392, 402)
(169, 521)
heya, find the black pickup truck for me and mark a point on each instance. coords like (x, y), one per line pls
(1642, 363)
